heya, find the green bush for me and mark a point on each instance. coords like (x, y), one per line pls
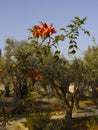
(42, 121)
(37, 121)
(55, 125)
(92, 124)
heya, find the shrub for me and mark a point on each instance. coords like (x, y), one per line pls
(92, 123)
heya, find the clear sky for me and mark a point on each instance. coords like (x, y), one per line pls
(16, 16)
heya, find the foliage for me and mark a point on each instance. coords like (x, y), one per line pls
(36, 121)
(92, 124)
(39, 121)
(91, 63)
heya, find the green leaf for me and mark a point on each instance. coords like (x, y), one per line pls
(56, 39)
(39, 60)
(62, 37)
(77, 18)
(47, 50)
(75, 46)
(73, 51)
(56, 58)
(59, 38)
(57, 52)
(34, 41)
(84, 19)
(71, 46)
(74, 42)
(29, 38)
(71, 26)
(30, 29)
(62, 29)
(87, 32)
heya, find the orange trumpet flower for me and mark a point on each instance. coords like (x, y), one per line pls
(43, 31)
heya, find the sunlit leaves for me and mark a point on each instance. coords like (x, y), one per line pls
(59, 38)
(47, 50)
(79, 21)
(73, 33)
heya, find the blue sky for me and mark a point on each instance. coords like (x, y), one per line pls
(16, 16)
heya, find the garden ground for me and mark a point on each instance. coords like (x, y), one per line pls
(82, 118)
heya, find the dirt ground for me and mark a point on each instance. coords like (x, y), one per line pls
(78, 123)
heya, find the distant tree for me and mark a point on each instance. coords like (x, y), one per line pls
(6, 77)
(18, 62)
(91, 63)
(91, 67)
(77, 73)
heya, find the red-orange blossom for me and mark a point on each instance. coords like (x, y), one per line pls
(43, 30)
